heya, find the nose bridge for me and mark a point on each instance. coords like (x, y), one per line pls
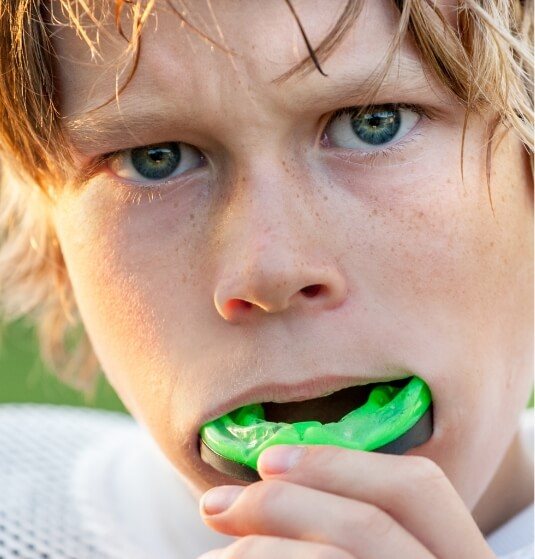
(261, 243)
(271, 257)
(271, 217)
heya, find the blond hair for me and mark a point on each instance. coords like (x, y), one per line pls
(486, 60)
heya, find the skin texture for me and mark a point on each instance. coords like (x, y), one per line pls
(192, 296)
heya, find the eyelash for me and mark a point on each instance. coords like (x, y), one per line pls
(134, 193)
(129, 193)
(372, 156)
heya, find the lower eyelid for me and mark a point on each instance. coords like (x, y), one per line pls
(354, 157)
(137, 192)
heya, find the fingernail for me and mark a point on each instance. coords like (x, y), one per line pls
(280, 458)
(218, 499)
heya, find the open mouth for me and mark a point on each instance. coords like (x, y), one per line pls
(385, 417)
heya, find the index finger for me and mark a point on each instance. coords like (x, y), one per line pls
(411, 489)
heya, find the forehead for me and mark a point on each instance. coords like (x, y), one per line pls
(261, 39)
(251, 44)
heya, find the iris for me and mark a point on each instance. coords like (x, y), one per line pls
(156, 162)
(377, 127)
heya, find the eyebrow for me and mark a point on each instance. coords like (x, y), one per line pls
(404, 76)
(100, 129)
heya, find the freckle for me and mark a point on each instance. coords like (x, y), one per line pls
(325, 198)
(374, 212)
(192, 217)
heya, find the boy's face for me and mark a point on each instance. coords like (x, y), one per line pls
(203, 296)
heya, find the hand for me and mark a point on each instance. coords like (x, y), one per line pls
(336, 503)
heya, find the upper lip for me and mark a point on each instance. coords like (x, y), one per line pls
(283, 392)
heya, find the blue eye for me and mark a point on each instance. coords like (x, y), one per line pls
(377, 126)
(155, 162)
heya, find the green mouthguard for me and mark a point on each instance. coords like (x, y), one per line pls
(390, 411)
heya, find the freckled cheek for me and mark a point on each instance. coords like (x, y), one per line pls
(431, 236)
(415, 222)
(440, 263)
(133, 274)
(440, 258)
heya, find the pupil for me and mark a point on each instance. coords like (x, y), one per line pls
(378, 127)
(156, 162)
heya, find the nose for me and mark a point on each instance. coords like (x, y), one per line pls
(271, 266)
(274, 287)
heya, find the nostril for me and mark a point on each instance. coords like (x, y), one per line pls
(311, 290)
(236, 304)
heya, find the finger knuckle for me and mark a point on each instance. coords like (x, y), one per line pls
(427, 472)
(417, 475)
(373, 521)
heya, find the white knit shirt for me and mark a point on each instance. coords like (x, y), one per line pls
(78, 483)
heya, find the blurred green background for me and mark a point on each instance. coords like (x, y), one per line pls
(24, 379)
